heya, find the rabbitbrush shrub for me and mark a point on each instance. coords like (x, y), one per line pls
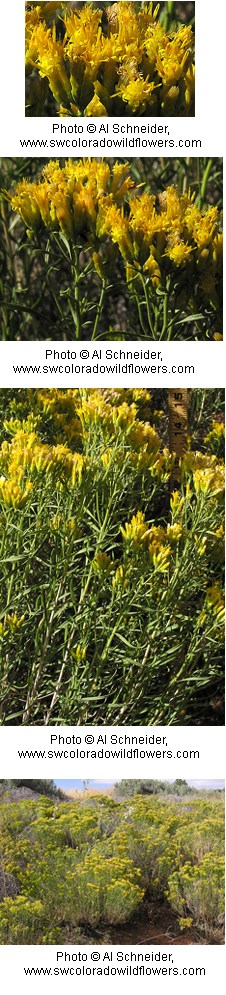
(89, 219)
(112, 603)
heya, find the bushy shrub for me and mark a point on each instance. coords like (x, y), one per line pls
(112, 600)
(153, 787)
(197, 893)
(107, 890)
(43, 787)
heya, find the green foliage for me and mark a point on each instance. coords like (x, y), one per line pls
(43, 787)
(139, 787)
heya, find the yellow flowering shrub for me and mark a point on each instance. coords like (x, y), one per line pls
(199, 892)
(168, 249)
(106, 890)
(21, 921)
(112, 600)
(103, 60)
(95, 863)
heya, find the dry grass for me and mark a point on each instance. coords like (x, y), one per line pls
(88, 792)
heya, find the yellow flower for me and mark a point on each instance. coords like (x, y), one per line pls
(136, 531)
(209, 480)
(201, 545)
(24, 203)
(174, 532)
(14, 623)
(95, 108)
(80, 653)
(78, 465)
(175, 56)
(215, 600)
(205, 227)
(152, 268)
(102, 563)
(120, 578)
(161, 559)
(112, 222)
(176, 502)
(216, 434)
(14, 496)
(189, 85)
(50, 63)
(136, 94)
(180, 253)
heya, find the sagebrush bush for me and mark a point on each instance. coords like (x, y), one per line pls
(111, 588)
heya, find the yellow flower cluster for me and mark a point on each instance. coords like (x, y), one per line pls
(68, 197)
(215, 438)
(158, 236)
(207, 472)
(107, 59)
(158, 541)
(98, 205)
(11, 624)
(24, 457)
(14, 496)
(215, 600)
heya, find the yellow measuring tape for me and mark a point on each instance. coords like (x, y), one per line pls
(178, 430)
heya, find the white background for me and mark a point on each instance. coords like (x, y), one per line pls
(14, 959)
(209, 764)
(207, 358)
(209, 362)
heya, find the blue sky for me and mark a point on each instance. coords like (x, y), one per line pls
(210, 785)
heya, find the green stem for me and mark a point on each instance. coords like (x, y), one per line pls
(52, 288)
(147, 302)
(165, 316)
(77, 312)
(32, 693)
(82, 598)
(139, 308)
(99, 310)
(26, 310)
(168, 15)
(205, 181)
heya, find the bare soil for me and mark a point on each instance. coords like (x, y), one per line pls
(158, 925)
